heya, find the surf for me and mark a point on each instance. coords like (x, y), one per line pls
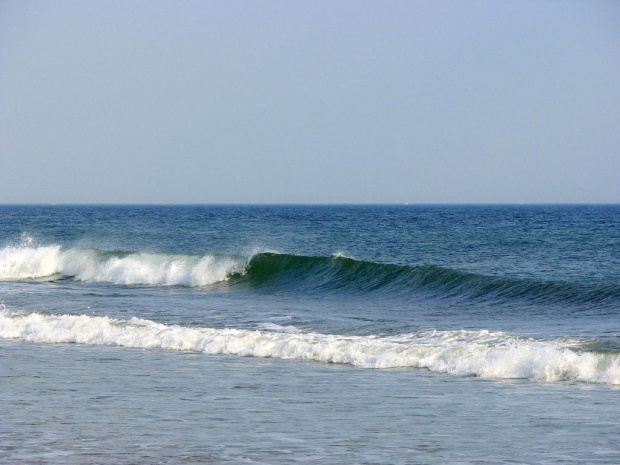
(339, 273)
(117, 267)
(280, 271)
(484, 354)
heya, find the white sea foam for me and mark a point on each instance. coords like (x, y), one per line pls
(468, 353)
(278, 328)
(32, 262)
(342, 255)
(24, 262)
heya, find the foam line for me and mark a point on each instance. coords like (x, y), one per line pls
(494, 355)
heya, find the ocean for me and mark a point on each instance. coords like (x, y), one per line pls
(379, 334)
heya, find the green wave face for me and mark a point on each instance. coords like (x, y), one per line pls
(349, 275)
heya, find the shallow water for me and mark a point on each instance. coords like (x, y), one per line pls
(80, 404)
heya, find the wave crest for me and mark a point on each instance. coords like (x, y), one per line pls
(338, 273)
(32, 262)
(270, 269)
(25, 262)
(494, 355)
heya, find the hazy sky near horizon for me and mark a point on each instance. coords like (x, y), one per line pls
(309, 102)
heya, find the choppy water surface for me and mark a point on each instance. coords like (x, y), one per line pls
(378, 334)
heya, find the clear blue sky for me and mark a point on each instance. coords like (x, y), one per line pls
(309, 102)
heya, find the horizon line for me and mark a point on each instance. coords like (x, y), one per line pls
(301, 204)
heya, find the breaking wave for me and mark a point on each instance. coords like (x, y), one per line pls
(90, 265)
(287, 271)
(494, 355)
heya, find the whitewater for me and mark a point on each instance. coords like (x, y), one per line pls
(466, 353)
(32, 262)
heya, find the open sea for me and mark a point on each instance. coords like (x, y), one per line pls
(310, 334)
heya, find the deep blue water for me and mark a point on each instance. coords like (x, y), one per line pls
(394, 330)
